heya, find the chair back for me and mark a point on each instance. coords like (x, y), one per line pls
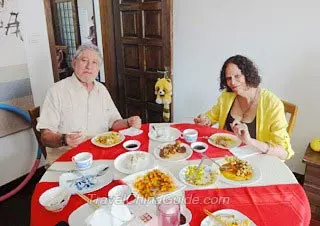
(292, 110)
(34, 115)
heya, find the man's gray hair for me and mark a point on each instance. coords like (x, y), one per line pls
(88, 46)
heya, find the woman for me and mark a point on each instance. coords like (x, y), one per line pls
(254, 114)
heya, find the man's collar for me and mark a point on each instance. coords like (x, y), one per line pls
(78, 85)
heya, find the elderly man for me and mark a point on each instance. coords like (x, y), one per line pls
(79, 105)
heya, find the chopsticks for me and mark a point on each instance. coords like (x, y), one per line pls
(222, 167)
(89, 201)
(214, 217)
(245, 222)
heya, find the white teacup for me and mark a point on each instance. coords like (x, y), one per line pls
(162, 133)
(83, 160)
(190, 135)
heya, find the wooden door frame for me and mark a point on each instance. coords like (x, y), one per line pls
(52, 43)
(109, 50)
(48, 6)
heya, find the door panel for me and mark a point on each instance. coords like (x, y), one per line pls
(143, 47)
(131, 24)
(152, 24)
(151, 97)
(133, 87)
(134, 107)
(154, 112)
(154, 58)
(131, 57)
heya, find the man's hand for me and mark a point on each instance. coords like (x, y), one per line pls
(134, 121)
(74, 139)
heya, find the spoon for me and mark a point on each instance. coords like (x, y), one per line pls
(198, 167)
(155, 130)
(100, 173)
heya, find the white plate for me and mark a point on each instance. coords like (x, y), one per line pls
(238, 216)
(207, 171)
(87, 183)
(129, 180)
(175, 158)
(122, 161)
(166, 134)
(121, 138)
(237, 141)
(255, 177)
(79, 216)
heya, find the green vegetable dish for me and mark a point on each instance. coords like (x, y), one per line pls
(203, 176)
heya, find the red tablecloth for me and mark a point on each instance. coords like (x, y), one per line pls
(266, 205)
(108, 153)
(114, 152)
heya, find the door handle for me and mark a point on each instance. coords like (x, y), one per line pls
(164, 72)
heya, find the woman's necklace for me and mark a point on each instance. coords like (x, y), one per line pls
(244, 112)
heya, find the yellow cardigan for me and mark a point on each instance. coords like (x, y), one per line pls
(271, 122)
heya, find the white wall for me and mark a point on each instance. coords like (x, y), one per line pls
(18, 151)
(99, 35)
(85, 12)
(281, 37)
(37, 47)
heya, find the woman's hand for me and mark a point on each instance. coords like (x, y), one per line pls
(241, 130)
(134, 121)
(74, 139)
(202, 120)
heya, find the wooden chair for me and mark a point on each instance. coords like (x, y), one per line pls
(34, 114)
(291, 109)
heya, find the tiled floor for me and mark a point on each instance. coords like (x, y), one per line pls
(15, 211)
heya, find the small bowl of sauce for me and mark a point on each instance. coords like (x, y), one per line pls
(185, 216)
(132, 145)
(199, 146)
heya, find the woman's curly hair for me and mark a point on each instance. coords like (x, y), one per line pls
(247, 68)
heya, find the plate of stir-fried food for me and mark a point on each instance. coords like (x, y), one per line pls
(224, 140)
(108, 139)
(238, 171)
(153, 183)
(173, 152)
(226, 217)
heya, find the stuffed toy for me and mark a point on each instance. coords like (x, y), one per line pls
(163, 91)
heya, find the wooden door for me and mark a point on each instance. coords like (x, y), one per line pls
(63, 33)
(143, 41)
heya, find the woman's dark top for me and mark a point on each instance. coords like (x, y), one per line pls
(251, 126)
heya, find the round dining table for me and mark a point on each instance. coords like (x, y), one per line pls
(275, 198)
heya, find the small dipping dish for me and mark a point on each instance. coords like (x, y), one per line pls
(199, 146)
(132, 145)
